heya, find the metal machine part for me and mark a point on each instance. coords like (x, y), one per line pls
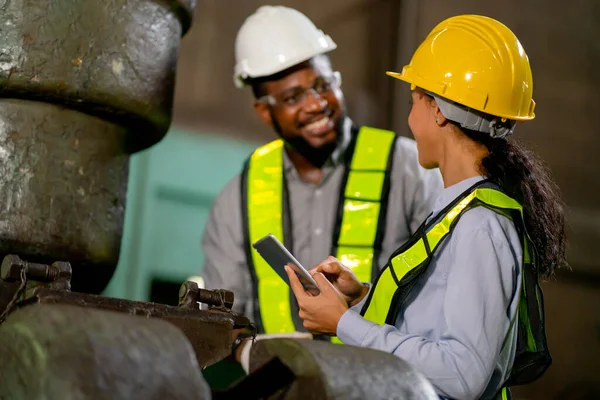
(58, 352)
(113, 58)
(83, 84)
(320, 370)
(96, 347)
(209, 332)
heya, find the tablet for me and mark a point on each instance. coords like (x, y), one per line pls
(277, 256)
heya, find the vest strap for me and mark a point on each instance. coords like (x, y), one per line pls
(358, 230)
(363, 204)
(406, 265)
(262, 204)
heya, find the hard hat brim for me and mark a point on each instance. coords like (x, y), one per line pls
(397, 75)
(401, 76)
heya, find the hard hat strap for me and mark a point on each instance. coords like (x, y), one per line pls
(474, 120)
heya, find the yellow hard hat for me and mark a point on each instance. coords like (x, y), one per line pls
(475, 61)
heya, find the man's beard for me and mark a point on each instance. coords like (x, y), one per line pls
(317, 156)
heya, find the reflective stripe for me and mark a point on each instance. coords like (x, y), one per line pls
(361, 199)
(371, 147)
(362, 202)
(365, 185)
(359, 224)
(381, 301)
(408, 263)
(418, 251)
(401, 264)
(265, 212)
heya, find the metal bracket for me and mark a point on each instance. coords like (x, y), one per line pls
(24, 283)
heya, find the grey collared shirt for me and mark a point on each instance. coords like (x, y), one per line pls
(413, 191)
(455, 323)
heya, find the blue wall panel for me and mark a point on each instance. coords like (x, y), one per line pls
(171, 189)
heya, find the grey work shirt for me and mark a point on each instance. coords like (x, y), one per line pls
(413, 191)
(454, 324)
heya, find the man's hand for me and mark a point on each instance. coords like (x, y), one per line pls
(343, 279)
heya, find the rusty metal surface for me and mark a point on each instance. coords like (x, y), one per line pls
(184, 10)
(82, 85)
(23, 283)
(330, 371)
(114, 58)
(64, 180)
(208, 332)
(61, 352)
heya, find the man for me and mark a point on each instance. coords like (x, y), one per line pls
(327, 187)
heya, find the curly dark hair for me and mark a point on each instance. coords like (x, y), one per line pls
(523, 176)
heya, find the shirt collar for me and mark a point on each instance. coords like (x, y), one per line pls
(452, 192)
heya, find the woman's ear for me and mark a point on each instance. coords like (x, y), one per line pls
(440, 120)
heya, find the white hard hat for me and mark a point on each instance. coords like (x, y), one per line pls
(273, 39)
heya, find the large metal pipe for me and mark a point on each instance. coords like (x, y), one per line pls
(83, 84)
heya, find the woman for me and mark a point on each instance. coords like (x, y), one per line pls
(447, 301)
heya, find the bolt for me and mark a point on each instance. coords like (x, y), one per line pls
(63, 270)
(227, 297)
(11, 268)
(188, 293)
(186, 288)
(41, 272)
(216, 298)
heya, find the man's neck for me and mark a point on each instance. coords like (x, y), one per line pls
(309, 171)
(306, 170)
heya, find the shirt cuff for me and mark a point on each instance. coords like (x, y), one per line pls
(352, 328)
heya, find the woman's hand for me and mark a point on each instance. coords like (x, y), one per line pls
(321, 313)
(343, 279)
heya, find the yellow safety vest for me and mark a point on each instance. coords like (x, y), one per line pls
(408, 263)
(357, 235)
